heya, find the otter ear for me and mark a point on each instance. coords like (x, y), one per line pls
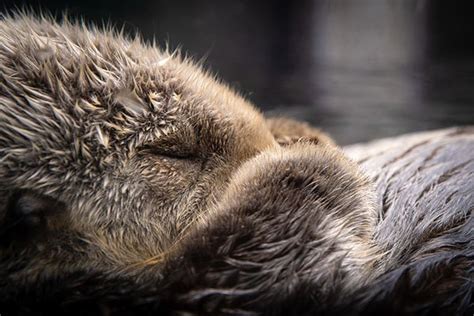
(30, 215)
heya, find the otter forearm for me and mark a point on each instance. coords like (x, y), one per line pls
(294, 223)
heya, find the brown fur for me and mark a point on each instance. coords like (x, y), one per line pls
(287, 131)
(173, 189)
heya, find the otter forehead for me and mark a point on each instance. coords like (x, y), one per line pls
(75, 101)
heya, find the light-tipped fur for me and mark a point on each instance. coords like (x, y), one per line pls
(175, 194)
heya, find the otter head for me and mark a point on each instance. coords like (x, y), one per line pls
(112, 152)
(134, 143)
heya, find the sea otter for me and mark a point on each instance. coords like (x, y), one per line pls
(134, 182)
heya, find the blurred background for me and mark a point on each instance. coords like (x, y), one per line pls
(360, 69)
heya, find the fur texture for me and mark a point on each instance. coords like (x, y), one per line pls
(170, 193)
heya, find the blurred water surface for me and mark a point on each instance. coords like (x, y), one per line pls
(360, 69)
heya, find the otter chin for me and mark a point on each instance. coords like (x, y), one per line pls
(133, 181)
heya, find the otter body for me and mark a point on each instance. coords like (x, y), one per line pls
(150, 187)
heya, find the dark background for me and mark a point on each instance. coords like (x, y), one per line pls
(360, 69)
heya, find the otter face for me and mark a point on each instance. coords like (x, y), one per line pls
(115, 157)
(136, 143)
(131, 178)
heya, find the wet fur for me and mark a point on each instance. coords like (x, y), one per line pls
(178, 197)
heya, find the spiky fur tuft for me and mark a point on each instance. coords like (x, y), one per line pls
(175, 195)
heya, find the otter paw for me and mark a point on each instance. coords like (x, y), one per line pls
(287, 132)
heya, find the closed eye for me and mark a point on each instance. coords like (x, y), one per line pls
(179, 142)
(172, 151)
